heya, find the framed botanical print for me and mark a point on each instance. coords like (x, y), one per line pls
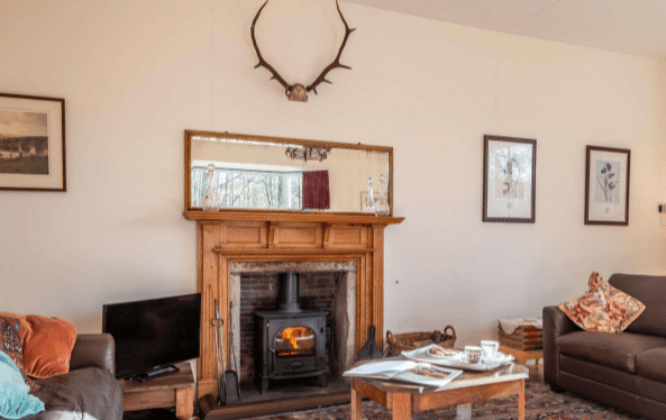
(509, 179)
(607, 186)
(32, 143)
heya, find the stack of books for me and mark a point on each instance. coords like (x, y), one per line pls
(525, 337)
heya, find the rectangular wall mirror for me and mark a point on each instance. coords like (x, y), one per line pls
(249, 172)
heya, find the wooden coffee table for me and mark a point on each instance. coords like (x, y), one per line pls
(468, 388)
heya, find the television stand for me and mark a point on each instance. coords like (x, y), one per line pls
(156, 372)
(174, 390)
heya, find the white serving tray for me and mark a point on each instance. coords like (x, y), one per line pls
(458, 361)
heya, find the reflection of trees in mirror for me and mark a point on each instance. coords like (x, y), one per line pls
(251, 189)
(605, 181)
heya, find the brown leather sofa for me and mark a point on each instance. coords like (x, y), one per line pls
(89, 390)
(625, 370)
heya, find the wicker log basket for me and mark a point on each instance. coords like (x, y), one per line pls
(414, 340)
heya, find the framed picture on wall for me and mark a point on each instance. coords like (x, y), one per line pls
(509, 179)
(607, 186)
(32, 143)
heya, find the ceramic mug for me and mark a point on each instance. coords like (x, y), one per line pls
(490, 348)
(473, 354)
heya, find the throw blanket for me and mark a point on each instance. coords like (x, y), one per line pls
(15, 402)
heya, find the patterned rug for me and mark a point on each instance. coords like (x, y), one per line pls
(540, 404)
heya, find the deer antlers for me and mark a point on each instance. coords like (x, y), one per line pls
(297, 91)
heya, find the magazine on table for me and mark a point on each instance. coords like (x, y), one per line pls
(405, 371)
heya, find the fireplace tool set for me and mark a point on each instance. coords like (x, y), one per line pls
(227, 380)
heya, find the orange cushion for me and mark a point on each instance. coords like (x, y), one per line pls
(47, 345)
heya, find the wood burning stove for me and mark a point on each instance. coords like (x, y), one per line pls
(290, 342)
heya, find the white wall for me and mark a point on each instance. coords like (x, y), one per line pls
(135, 74)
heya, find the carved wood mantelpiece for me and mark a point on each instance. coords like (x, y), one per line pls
(228, 237)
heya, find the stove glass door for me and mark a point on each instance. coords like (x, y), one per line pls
(295, 341)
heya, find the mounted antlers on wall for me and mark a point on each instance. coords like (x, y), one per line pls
(297, 91)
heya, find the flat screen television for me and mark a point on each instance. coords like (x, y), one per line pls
(153, 334)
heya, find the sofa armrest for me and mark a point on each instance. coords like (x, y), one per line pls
(98, 350)
(555, 324)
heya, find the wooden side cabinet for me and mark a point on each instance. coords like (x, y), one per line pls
(175, 390)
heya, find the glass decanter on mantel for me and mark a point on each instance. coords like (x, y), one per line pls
(210, 201)
(382, 207)
(369, 205)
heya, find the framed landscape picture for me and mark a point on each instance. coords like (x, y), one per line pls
(32, 143)
(607, 186)
(509, 179)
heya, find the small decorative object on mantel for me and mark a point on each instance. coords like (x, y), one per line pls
(297, 91)
(414, 340)
(210, 200)
(607, 186)
(32, 143)
(509, 179)
(381, 204)
(368, 200)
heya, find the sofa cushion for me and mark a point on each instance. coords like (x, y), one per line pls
(47, 345)
(86, 393)
(652, 364)
(651, 290)
(603, 307)
(10, 338)
(618, 351)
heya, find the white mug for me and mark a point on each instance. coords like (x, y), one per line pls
(489, 348)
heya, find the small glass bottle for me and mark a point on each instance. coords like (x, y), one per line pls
(210, 200)
(369, 205)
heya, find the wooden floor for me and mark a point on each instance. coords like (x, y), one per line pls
(536, 374)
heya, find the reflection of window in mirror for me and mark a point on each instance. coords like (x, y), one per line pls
(251, 189)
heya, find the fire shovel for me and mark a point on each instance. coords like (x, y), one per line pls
(231, 377)
(217, 323)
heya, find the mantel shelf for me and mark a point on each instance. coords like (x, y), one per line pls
(278, 216)
(292, 251)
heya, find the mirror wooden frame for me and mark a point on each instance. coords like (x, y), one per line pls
(191, 212)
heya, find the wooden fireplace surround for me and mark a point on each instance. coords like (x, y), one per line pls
(229, 236)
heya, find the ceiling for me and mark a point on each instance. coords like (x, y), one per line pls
(635, 27)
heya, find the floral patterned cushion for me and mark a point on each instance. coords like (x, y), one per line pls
(11, 343)
(603, 307)
(10, 339)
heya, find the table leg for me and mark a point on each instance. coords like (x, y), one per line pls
(464, 412)
(184, 403)
(402, 406)
(521, 401)
(356, 401)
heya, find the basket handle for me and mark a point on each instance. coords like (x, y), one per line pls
(453, 332)
(389, 337)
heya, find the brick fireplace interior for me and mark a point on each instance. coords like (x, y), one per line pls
(324, 286)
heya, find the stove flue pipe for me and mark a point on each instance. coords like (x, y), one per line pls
(289, 287)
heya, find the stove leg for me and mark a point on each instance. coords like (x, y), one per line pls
(264, 385)
(322, 380)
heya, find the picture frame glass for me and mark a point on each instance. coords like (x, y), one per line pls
(607, 185)
(31, 143)
(509, 177)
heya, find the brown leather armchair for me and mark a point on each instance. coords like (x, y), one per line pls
(89, 387)
(94, 350)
